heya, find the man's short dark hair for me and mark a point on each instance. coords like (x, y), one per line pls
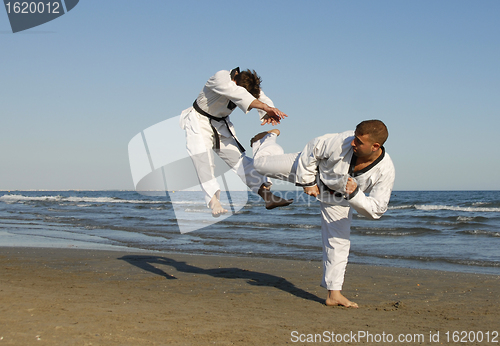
(375, 128)
(249, 80)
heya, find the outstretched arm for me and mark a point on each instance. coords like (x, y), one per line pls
(273, 116)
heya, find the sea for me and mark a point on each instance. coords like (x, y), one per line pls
(441, 230)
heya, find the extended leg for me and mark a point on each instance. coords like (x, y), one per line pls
(270, 159)
(244, 167)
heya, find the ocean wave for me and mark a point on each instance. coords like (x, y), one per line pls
(393, 232)
(21, 199)
(399, 207)
(188, 202)
(135, 218)
(197, 210)
(147, 207)
(450, 219)
(434, 207)
(490, 204)
(240, 224)
(481, 232)
(456, 208)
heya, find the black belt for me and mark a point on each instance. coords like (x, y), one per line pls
(216, 134)
(332, 192)
(350, 173)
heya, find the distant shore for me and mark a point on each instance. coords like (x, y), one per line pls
(84, 297)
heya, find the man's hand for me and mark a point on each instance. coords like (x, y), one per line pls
(273, 116)
(311, 190)
(350, 186)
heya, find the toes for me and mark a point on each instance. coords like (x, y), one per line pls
(218, 213)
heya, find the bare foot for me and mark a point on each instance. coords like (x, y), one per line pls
(272, 201)
(261, 135)
(216, 207)
(336, 298)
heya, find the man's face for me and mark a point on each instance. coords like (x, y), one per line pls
(363, 145)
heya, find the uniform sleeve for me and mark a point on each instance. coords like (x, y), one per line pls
(222, 84)
(374, 205)
(307, 165)
(263, 98)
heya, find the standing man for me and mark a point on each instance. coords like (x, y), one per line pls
(344, 171)
(208, 128)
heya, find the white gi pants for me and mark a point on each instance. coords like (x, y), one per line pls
(270, 160)
(200, 143)
(335, 233)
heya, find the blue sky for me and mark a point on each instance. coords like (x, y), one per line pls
(74, 91)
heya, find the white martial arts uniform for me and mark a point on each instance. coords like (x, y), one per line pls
(218, 98)
(327, 161)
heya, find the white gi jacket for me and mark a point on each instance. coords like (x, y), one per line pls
(220, 89)
(326, 161)
(216, 97)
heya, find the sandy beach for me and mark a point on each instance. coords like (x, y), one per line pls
(89, 297)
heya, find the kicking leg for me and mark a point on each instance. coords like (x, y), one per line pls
(244, 167)
(270, 158)
(272, 201)
(261, 135)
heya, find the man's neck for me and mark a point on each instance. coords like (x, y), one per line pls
(362, 162)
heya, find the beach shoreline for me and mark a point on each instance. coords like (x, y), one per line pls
(99, 297)
(411, 234)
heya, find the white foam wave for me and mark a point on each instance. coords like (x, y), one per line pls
(464, 218)
(432, 207)
(481, 232)
(188, 202)
(479, 203)
(192, 210)
(388, 233)
(455, 208)
(21, 199)
(398, 207)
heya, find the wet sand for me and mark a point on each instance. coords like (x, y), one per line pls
(90, 297)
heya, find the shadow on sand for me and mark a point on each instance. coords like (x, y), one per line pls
(252, 277)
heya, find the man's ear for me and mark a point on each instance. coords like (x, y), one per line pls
(376, 146)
